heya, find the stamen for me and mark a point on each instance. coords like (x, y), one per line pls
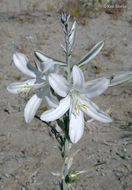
(75, 106)
(84, 106)
(78, 111)
(25, 89)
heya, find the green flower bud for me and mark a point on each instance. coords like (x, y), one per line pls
(72, 177)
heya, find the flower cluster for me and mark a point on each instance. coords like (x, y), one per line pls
(73, 95)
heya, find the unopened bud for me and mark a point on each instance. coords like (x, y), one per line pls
(72, 177)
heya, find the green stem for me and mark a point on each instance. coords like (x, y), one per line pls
(67, 61)
(65, 169)
(68, 56)
(66, 144)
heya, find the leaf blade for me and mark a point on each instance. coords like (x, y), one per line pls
(91, 54)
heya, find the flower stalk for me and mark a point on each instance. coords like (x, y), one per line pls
(65, 168)
(66, 143)
(67, 55)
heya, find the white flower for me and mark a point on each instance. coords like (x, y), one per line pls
(39, 81)
(77, 101)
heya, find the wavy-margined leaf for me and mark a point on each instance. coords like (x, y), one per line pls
(91, 54)
(49, 60)
(72, 35)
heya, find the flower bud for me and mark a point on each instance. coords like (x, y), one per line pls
(72, 177)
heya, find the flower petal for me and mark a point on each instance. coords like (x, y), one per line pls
(76, 126)
(78, 77)
(48, 60)
(52, 101)
(96, 87)
(49, 68)
(55, 114)
(22, 63)
(59, 84)
(32, 107)
(115, 79)
(19, 87)
(93, 111)
(120, 78)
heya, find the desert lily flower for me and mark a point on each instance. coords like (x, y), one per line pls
(77, 101)
(39, 81)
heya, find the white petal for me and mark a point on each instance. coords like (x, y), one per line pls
(49, 68)
(96, 87)
(19, 87)
(32, 107)
(91, 54)
(93, 111)
(22, 63)
(120, 78)
(115, 79)
(59, 84)
(52, 101)
(55, 114)
(48, 60)
(87, 83)
(78, 77)
(76, 126)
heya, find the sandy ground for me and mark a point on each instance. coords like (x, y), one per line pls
(28, 152)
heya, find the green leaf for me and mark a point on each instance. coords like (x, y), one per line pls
(91, 54)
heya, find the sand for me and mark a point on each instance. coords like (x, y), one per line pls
(28, 152)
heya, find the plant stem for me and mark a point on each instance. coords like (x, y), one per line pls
(67, 54)
(67, 60)
(66, 144)
(65, 169)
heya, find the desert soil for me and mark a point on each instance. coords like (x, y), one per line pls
(28, 152)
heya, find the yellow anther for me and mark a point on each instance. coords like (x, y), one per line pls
(84, 106)
(27, 91)
(74, 106)
(24, 89)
